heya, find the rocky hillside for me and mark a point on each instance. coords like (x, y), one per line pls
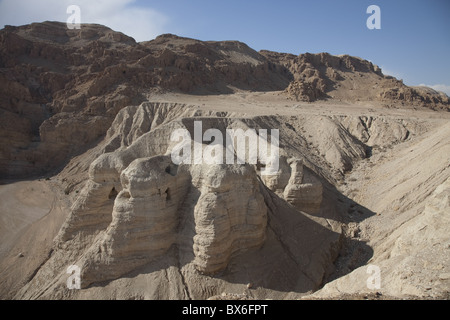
(347, 78)
(141, 227)
(197, 229)
(57, 84)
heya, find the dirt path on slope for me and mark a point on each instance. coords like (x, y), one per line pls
(31, 214)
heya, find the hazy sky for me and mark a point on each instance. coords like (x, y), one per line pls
(413, 43)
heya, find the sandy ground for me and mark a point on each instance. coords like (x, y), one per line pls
(31, 214)
(21, 204)
(276, 103)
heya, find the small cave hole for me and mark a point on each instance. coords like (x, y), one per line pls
(112, 194)
(168, 197)
(172, 170)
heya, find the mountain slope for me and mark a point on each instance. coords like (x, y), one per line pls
(57, 83)
(352, 79)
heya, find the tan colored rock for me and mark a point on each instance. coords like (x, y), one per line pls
(296, 185)
(73, 83)
(303, 190)
(147, 211)
(346, 78)
(144, 221)
(278, 182)
(408, 237)
(230, 216)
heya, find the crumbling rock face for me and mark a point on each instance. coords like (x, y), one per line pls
(149, 207)
(138, 209)
(379, 131)
(303, 190)
(296, 185)
(415, 95)
(315, 75)
(60, 81)
(346, 78)
(145, 218)
(230, 216)
(148, 197)
(193, 230)
(308, 90)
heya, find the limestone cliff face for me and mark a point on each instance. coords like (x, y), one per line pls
(136, 204)
(296, 185)
(74, 99)
(303, 190)
(138, 208)
(140, 213)
(346, 78)
(230, 216)
(61, 89)
(145, 218)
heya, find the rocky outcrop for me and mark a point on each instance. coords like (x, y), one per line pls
(408, 234)
(380, 131)
(230, 216)
(415, 95)
(57, 84)
(296, 185)
(138, 210)
(148, 208)
(416, 263)
(76, 95)
(145, 217)
(346, 78)
(71, 83)
(303, 190)
(149, 196)
(308, 90)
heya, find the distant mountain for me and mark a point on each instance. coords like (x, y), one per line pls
(347, 78)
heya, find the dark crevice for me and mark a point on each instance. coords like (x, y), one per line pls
(113, 194)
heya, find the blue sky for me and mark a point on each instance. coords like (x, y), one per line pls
(413, 43)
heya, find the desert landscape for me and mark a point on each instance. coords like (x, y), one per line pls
(358, 208)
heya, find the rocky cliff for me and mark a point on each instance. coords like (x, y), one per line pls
(61, 89)
(347, 78)
(137, 209)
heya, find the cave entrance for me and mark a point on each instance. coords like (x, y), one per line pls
(168, 197)
(113, 194)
